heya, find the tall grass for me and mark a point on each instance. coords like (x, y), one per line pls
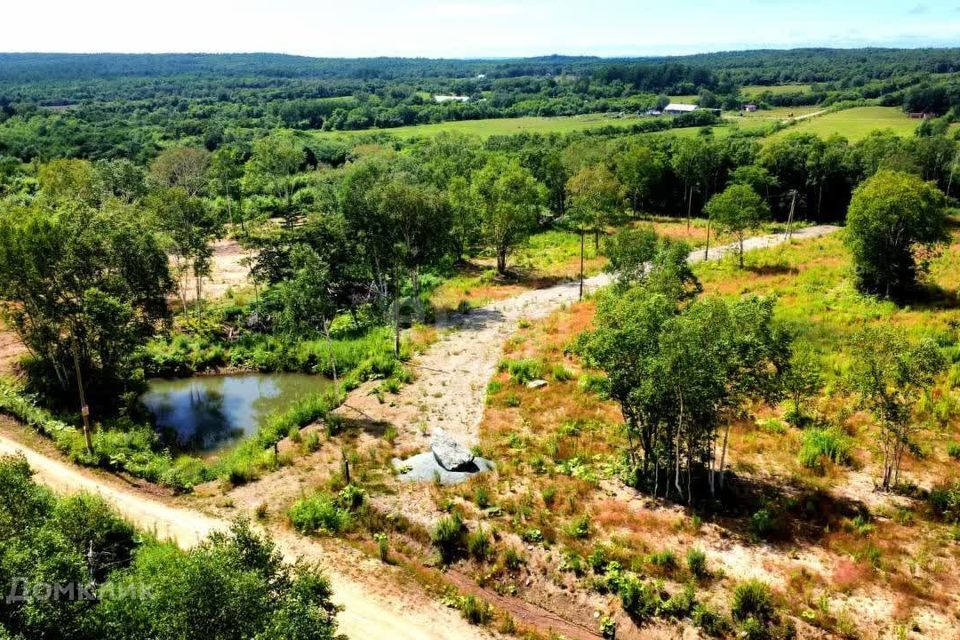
(825, 444)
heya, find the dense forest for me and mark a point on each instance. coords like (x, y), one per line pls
(110, 106)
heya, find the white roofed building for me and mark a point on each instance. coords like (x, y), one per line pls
(677, 108)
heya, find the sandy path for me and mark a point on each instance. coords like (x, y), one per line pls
(369, 613)
(452, 376)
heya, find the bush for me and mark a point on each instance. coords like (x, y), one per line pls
(680, 604)
(638, 599)
(753, 599)
(825, 444)
(944, 501)
(579, 528)
(953, 450)
(523, 371)
(318, 513)
(478, 545)
(383, 547)
(709, 621)
(697, 563)
(448, 537)
(475, 611)
(665, 560)
(560, 373)
(513, 559)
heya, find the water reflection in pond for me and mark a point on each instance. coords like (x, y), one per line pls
(208, 413)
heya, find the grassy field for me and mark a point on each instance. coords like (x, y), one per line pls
(497, 126)
(895, 557)
(759, 119)
(856, 124)
(777, 89)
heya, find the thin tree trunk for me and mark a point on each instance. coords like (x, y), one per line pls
(706, 252)
(581, 263)
(396, 313)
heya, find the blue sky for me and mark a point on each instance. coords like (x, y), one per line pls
(471, 28)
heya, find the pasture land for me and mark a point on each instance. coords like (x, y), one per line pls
(855, 124)
(498, 126)
(777, 89)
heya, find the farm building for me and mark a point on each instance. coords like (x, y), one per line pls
(676, 108)
(451, 98)
(750, 108)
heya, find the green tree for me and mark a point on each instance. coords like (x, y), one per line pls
(465, 229)
(510, 200)
(640, 257)
(594, 198)
(696, 161)
(184, 168)
(419, 227)
(274, 162)
(802, 380)
(226, 177)
(737, 210)
(889, 373)
(639, 169)
(86, 287)
(678, 372)
(893, 217)
(191, 227)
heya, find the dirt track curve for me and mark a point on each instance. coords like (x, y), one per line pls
(448, 393)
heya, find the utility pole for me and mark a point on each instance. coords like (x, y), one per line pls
(84, 408)
(793, 204)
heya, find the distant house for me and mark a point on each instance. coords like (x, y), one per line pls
(676, 108)
(451, 98)
(750, 108)
(923, 115)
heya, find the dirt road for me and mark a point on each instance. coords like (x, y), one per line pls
(449, 393)
(370, 613)
(452, 376)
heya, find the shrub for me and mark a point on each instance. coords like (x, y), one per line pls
(953, 450)
(318, 513)
(762, 523)
(666, 560)
(709, 621)
(597, 559)
(560, 373)
(753, 599)
(523, 371)
(513, 559)
(448, 537)
(475, 611)
(680, 604)
(481, 497)
(579, 528)
(383, 547)
(478, 545)
(825, 444)
(697, 563)
(351, 497)
(598, 384)
(638, 599)
(312, 442)
(944, 501)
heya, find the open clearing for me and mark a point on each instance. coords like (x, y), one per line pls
(855, 124)
(497, 126)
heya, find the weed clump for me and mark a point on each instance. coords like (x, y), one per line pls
(448, 537)
(820, 445)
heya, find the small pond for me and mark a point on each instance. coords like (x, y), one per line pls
(209, 413)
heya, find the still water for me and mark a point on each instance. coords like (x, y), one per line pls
(208, 413)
